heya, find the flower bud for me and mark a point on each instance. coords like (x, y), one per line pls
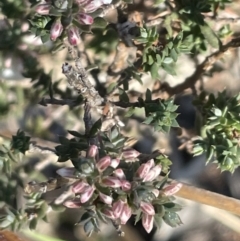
(56, 29)
(130, 154)
(109, 213)
(115, 163)
(92, 151)
(153, 173)
(85, 18)
(126, 214)
(87, 194)
(43, 8)
(143, 170)
(147, 222)
(79, 187)
(92, 6)
(73, 35)
(126, 185)
(117, 208)
(119, 174)
(105, 198)
(147, 208)
(103, 163)
(72, 204)
(172, 189)
(113, 182)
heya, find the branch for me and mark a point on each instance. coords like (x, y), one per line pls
(53, 101)
(201, 69)
(209, 198)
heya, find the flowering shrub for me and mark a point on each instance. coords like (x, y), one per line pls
(108, 179)
(108, 189)
(65, 21)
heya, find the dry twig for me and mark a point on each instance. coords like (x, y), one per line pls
(201, 69)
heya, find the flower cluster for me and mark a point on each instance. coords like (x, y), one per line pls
(84, 8)
(116, 189)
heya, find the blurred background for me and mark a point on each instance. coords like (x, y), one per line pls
(21, 53)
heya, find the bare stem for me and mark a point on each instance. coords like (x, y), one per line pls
(210, 198)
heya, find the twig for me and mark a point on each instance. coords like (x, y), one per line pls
(209, 198)
(33, 148)
(53, 101)
(78, 78)
(203, 67)
(133, 104)
(225, 20)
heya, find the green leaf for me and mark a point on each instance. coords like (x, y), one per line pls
(89, 228)
(111, 87)
(172, 219)
(130, 112)
(85, 218)
(167, 60)
(169, 68)
(5, 223)
(154, 71)
(174, 55)
(124, 97)
(210, 36)
(99, 23)
(172, 207)
(148, 95)
(96, 127)
(33, 223)
(45, 38)
(150, 60)
(76, 134)
(158, 221)
(148, 120)
(63, 140)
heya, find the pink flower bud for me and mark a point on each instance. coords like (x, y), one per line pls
(85, 18)
(72, 204)
(130, 154)
(43, 8)
(73, 35)
(117, 208)
(147, 222)
(143, 170)
(108, 213)
(113, 182)
(105, 198)
(172, 189)
(115, 163)
(126, 185)
(119, 174)
(92, 151)
(79, 187)
(153, 174)
(56, 30)
(87, 194)
(92, 6)
(103, 163)
(147, 208)
(126, 214)
(151, 163)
